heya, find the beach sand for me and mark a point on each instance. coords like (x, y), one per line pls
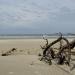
(23, 45)
(25, 60)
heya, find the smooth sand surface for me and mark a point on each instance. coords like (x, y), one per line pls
(28, 65)
(25, 60)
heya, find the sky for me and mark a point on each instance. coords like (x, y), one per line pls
(37, 16)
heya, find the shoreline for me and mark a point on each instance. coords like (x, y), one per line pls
(32, 37)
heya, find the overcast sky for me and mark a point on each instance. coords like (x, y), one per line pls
(37, 16)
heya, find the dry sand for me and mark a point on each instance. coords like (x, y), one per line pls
(24, 46)
(24, 61)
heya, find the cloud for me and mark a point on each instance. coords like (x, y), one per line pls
(37, 15)
(19, 14)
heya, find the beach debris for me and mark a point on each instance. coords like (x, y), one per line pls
(62, 54)
(43, 47)
(8, 52)
(39, 54)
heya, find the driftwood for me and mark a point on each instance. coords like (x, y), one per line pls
(8, 52)
(49, 54)
(54, 42)
(72, 45)
(43, 47)
(48, 46)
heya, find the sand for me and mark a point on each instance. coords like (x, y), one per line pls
(25, 60)
(23, 45)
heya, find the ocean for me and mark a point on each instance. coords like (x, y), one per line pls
(31, 36)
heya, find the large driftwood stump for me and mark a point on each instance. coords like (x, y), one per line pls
(64, 52)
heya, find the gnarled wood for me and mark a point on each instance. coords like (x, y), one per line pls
(8, 52)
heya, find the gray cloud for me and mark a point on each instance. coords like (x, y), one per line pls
(37, 16)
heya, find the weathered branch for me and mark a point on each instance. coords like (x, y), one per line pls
(48, 46)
